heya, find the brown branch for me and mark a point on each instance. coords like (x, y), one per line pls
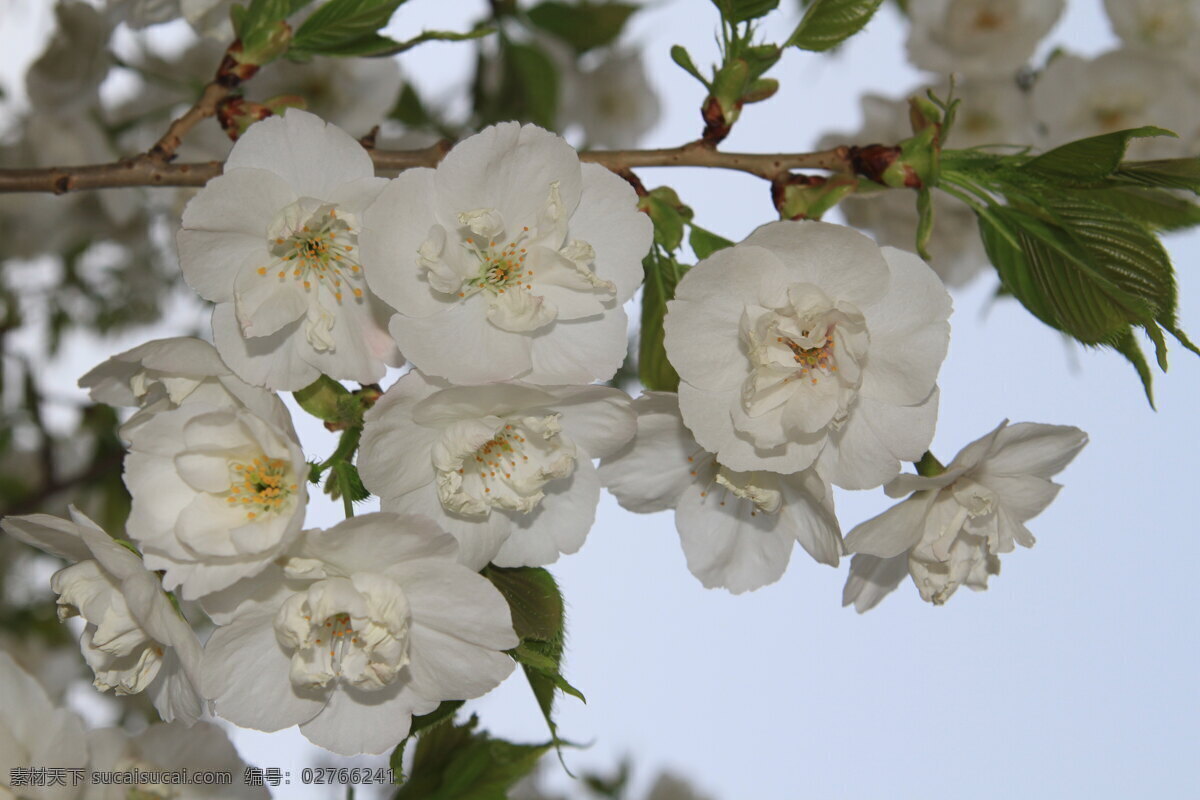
(164, 149)
(144, 170)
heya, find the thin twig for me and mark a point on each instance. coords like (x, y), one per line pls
(144, 170)
(164, 149)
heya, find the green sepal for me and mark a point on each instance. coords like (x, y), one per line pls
(327, 400)
(828, 23)
(681, 57)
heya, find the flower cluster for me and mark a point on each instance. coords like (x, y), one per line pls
(807, 358)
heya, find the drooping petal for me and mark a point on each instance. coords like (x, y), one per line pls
(873, 578)
(651, 472)
(895, 531)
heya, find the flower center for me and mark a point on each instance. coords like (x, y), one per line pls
(316, 247)
(480, 467)
(354, 629)
(499, 267)
(261, 486)
(746, 485)
(814, 361)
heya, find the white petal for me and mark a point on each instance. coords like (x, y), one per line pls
(246, 673)
(369, 542)
(909, 332)
(479, 538)
(651, 472)
(844, 263)
(598, 419)
(445, 667)
(453, 599)
(394, 227)
(1035, 449)
(315, 158)
(876, 437)
(607, 218)
(895, 531)
(51, 534)
(272, 361)
(355, 721)
(579, 351)
(460, 345)
(808, 509)
(871, 579)
(559, 525)
(725, 546)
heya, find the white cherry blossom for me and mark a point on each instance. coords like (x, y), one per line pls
(134, 640)
(167, 747)
(806, 344)
(1161, 26)
(364, 625)
(613, 102)
(737, 528)
(274, 243)
(163, 374)
(1075, 98)
(954, 526)
(506, 468)
(978, 37)
(510, 260)
(33, 733)
(218, 492)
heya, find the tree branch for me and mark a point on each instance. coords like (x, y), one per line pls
(148, 170)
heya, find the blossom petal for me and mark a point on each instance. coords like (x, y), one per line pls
(727, 547)
(461, 345)
(450, 598)
(707, 415)
(1030, 448)
(808, 509)
(246, 673)
(314, 157)
(356, 721)
(843, 262)
(559, 525)
(356, 545)
(579, 351)
(871, 579)
(446, 667)
(651, 472)
(895, 531)
(598, 419)
(868, 449)
(394, 227)
(273, 360)
(607, 218)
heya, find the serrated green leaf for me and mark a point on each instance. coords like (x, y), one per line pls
(321, 398)
(259, 14)
(444, 712)
(662, 274)
(735, 11)
(456, 762)
(1125, 344)
(1086, 161)
(585, 25)
(828, 23)
(1172, 173)
(1157, 209)
(345, 27)
(344, 481)
(534, 599)
(704, 243)
(684, 59)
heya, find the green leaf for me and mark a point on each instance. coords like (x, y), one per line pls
(375, 46)
(344, 481)
(735, 11)
(585, 25)
(704, 243)
(323, 398)
(248, 20)
(345, 27)
(1088, 160)
(1127, 345)
(1172, 173)
(662, 274)
(681, 57)
(828, 23)
(669, 215)
(421, 722)
(528, 88)
(533, 597)
(456, 762)
(1157, 209)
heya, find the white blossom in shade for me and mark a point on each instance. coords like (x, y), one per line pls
(510, 260)
(1161, 26)
(163, 374)
(808, 345)
(217, 493)
(1075, 98)
(167, 747)
(613, 102)
(33, 733)
(274, 243)
(506, 468)
(134, 639)
(737, 528)
(355, 94)
(978, 37)
(365, 625)
(954, 526)
(66, 77)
